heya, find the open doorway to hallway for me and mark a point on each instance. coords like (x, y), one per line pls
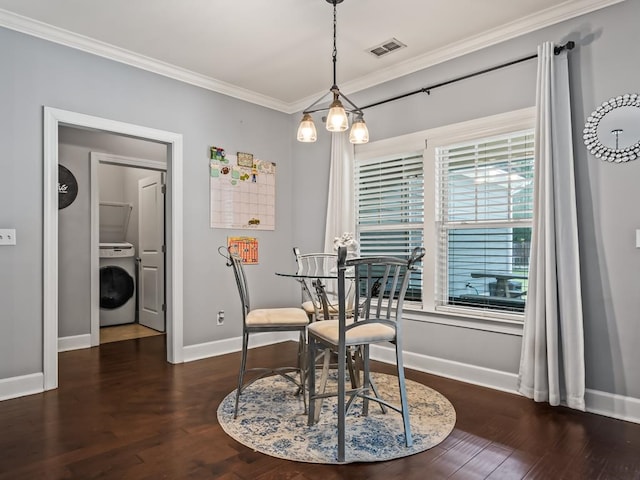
(52, 343)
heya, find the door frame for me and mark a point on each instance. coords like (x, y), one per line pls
(53, 118)
(109, 159)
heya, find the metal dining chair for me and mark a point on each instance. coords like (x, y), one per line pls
(314, 267)
(266, 320)
(380, 285)
(317, 274)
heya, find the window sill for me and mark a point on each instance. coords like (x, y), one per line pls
(508, 324)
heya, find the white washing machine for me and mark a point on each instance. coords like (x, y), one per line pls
(117, 284)
(117, 266)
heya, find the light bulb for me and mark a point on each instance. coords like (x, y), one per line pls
(359, 131)
(337, 120)
(307, 130)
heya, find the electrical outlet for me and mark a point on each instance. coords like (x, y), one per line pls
(220, 318)
(7, 236)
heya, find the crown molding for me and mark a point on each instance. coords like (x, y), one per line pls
(545, 18)
(60, 36)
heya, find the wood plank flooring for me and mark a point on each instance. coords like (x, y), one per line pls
(122, 412)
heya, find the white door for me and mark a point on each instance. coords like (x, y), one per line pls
(150, 252)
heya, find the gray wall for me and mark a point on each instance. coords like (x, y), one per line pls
(602, 66)
(36, 73)
(73, 249)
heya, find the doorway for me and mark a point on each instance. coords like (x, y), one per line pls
(53, 119)
(139, 184)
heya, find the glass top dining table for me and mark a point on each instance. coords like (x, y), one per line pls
(354, 360)
(324, 276)
(319, 282)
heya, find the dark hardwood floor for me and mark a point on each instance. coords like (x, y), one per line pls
(122, 412)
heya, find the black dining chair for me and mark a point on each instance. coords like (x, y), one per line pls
(266, 320)
(380, 285)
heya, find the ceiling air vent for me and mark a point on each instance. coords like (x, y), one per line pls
(387, 47)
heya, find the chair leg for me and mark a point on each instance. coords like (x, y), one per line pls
(342, 411)
(302, 366)
(358, 365)
(352, 366)
(311, 378)
(322, 387)
(366, 381)
(243, 366)
(403, 397)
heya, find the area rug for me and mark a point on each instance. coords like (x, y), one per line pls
(271, 420)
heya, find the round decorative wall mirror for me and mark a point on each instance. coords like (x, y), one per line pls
(612, 131)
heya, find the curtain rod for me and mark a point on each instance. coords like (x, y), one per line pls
(567, 46)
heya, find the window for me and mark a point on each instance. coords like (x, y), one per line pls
(483, 221)
(390, 210)
(464, 192)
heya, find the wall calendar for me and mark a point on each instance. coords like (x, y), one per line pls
(242, 196)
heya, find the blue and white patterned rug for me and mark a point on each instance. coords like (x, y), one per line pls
(271, 420)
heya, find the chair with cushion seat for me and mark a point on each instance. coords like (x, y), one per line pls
(318, 274)
(380, 285)
(313, 267)
(266, 320)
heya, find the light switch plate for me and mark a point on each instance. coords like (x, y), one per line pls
(7, 236)
(637, 238)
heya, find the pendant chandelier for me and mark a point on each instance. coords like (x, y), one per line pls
(337, 118)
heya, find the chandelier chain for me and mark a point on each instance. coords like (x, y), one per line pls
(335, 49)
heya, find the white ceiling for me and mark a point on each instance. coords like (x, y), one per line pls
(278, 53)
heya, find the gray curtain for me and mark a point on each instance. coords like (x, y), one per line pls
(552, 359)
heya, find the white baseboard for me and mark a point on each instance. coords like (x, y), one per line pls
(75, 342)
(230, 345)
(612, 405)
(601, 403)
(485, 377)
(14, 387)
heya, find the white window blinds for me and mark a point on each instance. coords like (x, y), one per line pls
(390, 210)
(484, 211)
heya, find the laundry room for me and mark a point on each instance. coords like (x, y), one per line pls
(111, 236)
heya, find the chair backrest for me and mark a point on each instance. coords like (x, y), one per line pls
(234, 260)
(380, 283)
(316, 265)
